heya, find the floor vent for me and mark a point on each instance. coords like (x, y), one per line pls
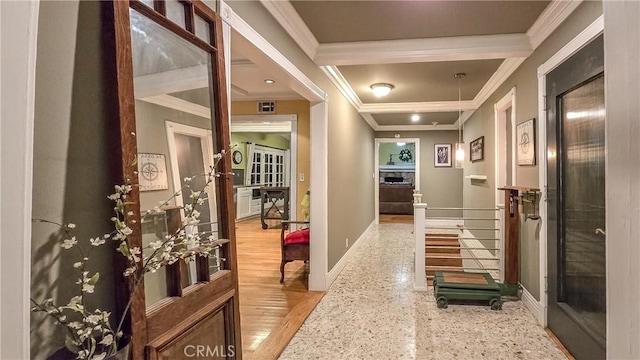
(266, 106)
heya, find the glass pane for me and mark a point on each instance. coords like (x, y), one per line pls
(175, 12)
(203, 29)
(167, 70)
(154, 228)
(583, 280)
(149, 3)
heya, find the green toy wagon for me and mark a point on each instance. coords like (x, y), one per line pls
(457, 285)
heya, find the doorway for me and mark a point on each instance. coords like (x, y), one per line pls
(576, 202)
(397, 175)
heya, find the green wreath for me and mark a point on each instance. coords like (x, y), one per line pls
(405, 155)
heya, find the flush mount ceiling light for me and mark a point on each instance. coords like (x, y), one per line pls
(415, 117)
(269, 81)
(381, 89)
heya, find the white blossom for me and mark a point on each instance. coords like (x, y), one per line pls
(71, 226)
(96, 241)
(69, 243)
(88, 288)
(77, 265)
(107, 340)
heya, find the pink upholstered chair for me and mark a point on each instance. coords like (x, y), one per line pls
(294, 245)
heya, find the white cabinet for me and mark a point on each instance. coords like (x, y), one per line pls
(244, 203)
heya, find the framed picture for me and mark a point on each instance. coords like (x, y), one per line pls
(476, 149)
(152, 172)
(442, 155)
(526, 142)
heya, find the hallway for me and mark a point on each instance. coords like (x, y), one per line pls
(372, 312)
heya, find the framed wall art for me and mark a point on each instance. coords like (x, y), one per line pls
(526, 143)
(442, 155)
(152, 172)
(476, 149)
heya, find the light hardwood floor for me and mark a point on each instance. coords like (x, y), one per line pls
(397, 219)
(270, 312)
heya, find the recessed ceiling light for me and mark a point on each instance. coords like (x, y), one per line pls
(381, 89)
(269, 81)
(415, 117)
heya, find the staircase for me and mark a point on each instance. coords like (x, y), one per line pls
(442, 253)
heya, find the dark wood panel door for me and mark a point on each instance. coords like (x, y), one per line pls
(168, 61)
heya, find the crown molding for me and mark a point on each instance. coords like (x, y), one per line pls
(416, 128)
(553, 15)
(433, 106)
(268, 96)
(508, 67)
(277, 62)
(370, 120)
(424, 50)
(287, 16)
(175, 103)
(342, 84)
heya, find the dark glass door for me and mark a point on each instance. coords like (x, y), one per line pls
(576, 194)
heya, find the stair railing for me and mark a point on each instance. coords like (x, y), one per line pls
(478, 232)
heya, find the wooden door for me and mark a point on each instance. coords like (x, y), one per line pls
(169, 66)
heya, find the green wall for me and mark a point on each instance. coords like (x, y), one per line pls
(393, 149)
(240, 139)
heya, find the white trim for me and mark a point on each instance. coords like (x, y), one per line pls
(339, 266)
(533, 305)
(293, 171)
(573, 46)
(319, 120)
(376, 165)
(419, 273)
(553, 15)
(343, 85)
(319, 263)
(434, 106)
(457, 48)
(278, 63)
(499, 108)
(175, 103)
(16, 168)
(371, 121)
(415, 128)
(508, 67)
(287, 16)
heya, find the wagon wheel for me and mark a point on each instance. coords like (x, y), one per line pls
(442, 302)
(496, 304)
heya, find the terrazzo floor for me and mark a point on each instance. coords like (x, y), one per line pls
(372, 312)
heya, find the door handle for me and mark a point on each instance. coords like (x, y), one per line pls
(600, 231)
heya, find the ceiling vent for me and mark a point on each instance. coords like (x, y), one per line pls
(266, 106)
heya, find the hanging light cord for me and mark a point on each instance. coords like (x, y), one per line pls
(459, 76)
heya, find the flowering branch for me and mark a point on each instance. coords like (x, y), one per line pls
(90, 334)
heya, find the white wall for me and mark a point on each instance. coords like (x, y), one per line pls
(19, 24)
(622, 50)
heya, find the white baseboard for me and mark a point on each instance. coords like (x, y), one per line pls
(533, 305)
(337, 268)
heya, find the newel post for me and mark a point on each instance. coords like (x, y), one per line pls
(420, 275)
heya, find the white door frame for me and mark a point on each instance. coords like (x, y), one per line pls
(376, 173)
(500, 115)
(319, 118)
(16, 170)
(589, 33)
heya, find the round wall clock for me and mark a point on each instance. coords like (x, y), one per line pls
(237, 157)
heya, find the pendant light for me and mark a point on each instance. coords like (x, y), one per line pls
(459, 160)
